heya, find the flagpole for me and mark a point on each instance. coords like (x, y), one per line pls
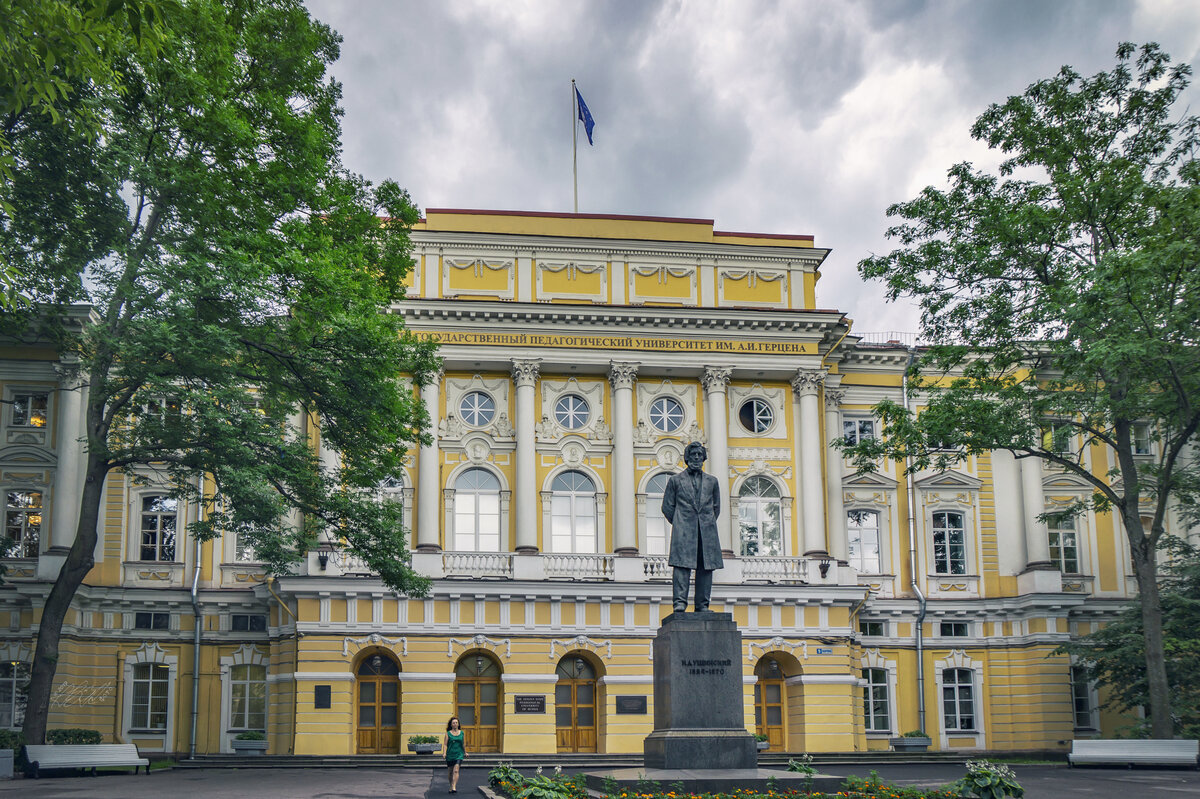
(574, 146)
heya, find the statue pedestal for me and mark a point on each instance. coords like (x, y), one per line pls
(699, 707)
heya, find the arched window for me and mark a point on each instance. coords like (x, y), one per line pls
(760, 517)
(862, 533)
(657, 530)
(150, 684)
(14, 677)
(572, 513)
(248, 694)
(477, 512)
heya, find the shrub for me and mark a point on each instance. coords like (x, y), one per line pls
(760, 736)
(989, 781)
(15, 740)
(915, 734)
(503, 773)
(73, 736)
(251, 735)
(422, 739)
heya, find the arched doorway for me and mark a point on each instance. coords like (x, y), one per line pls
(377, 698)
(575, 705)
(769, 701)
(478, 701)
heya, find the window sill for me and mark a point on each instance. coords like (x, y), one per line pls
(146, 732)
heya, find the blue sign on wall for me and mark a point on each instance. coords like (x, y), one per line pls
(824, 651)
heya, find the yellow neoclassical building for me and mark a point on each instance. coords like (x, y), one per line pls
(581, 353)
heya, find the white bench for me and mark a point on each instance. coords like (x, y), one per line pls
(1157, 752)
(90, 756)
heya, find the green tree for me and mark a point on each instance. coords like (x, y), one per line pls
(240, 280)
(1115, 654)
(1061, 297)
(50, 49)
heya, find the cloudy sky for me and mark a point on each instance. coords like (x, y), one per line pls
(773, 117)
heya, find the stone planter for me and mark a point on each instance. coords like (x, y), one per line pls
(762, 745)
(249, 748)
(910, 744)
(424, 749)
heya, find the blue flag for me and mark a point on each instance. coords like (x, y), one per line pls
(585, 116)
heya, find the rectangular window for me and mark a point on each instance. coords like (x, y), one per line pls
(872, 628)
(856, 430)
(29, 409)
(1064, 548)
(1059, 438)
(150, 682)
(949, 543)
(954, 629)
(249, 622)
(958, 699)
(23, 523)
(14, 680)
(248, 697)
(1081, 697)
(876, 710)
(1143, 444)
(151, 621)
(862, 533)
(159, 517)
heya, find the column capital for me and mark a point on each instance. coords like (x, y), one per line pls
(525, 372)
(715, 378)
(622, 375)
(833, 398)
(807, 381)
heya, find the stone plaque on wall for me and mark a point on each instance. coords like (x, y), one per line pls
(633, 705)
(529, 703)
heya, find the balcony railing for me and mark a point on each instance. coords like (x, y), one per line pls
(478, 564)
(775, 570)
(579, 567)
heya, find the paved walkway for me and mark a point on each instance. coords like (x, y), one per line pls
(1040, 781)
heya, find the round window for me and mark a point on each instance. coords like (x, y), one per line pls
(666, 414)
(476, 409)
(571, 411)
(756, 415)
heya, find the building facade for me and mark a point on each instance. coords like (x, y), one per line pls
(581, 354)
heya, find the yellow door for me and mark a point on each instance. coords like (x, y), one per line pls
(377, 696)
(769, 701)
(477, 690)
(575, 706)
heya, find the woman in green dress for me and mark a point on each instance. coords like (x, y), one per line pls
(456, 751)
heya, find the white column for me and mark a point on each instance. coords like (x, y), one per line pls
(715, 379)
(835, 509)
(525, 496)
(429, 483)
(1037, 541)
(71, 454)
(622, 376)
(806, 384)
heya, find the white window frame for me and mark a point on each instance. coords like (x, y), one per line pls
(858, 420)
(449, 499)
(19, 550)
(762, 403)
(860, 566)
(650, 510)
(1053, 530)
(933, 533)
(784, 520)
(1093, 701)
(1148, 448)
(16, 685)
(154, 654)
(180, 524)
(582, 504)
(958, 659)
(245, 655)
(874, 659)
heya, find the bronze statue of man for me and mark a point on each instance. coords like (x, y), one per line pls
(691, 504)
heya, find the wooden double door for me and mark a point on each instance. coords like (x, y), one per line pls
(769, 702)
(478, 702)
(377, 699)
(575, 706)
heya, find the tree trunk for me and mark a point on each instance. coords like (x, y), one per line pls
(1145, 567)
(76, 567)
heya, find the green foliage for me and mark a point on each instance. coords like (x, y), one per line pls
(512, 783)
(422, 739)
(15, 740)
(915, 734)
(1060, 298)
(1114, 655)
(503, 773)
(802, 764)
(989, 781)
(760, 736)
(251, 735)
(73, 736)
(872, 787)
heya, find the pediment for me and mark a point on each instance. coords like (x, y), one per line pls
(1059, 481)
(869, 480)
(949, 480)
(25, 454)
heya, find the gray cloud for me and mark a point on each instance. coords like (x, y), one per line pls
(787, 117)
